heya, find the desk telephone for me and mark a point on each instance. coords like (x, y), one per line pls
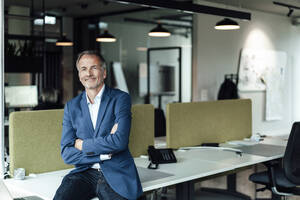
(160, 156)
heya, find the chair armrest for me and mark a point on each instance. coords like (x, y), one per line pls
(271, 174)
(272, 165)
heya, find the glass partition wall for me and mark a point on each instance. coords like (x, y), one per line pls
(132, 45)
(127, 61)
(157, 70)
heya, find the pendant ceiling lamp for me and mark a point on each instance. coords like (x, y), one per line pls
(159, 31)
(106, 37)
(227, 24)
(64, 41)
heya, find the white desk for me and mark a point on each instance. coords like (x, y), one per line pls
(191, 165)
(280, 140)
(197, 163)
(43, 185)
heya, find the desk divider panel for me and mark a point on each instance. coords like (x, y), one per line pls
(191, 124)
(34, 138)
(142, 129)
(34, 141)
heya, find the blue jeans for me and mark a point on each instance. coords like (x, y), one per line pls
(85, 186)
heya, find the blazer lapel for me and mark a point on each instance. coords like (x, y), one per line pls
(103, 105)
(86, 113)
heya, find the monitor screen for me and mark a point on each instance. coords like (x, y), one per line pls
(21, 96)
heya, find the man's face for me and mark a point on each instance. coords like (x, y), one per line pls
(91, 73)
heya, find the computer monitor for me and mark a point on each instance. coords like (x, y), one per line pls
(21, 96)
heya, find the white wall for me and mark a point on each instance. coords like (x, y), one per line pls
(295, 62)
(216, 53)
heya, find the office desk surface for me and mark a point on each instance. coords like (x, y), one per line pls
(198, 163)
(191, 165)
(279, 140)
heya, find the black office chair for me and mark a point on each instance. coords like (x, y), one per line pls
(282, 178)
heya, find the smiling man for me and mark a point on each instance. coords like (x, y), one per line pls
(95, 137)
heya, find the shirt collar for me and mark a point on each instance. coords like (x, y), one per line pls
(98, 96)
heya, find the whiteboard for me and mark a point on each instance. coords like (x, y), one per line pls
(264, 70)
(256, 64)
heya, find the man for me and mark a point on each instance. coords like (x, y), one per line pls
(95, 139)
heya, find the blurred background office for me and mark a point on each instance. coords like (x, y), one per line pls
(33, 57)
(189, 64)
(48, 100)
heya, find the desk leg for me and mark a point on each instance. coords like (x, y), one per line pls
(231, 189)
(231, 182)
(185, 191)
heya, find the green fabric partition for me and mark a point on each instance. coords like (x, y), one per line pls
(142, 129)
(191, 124)
(34, 138)
(34, 141)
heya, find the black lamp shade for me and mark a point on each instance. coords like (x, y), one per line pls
(227, 24)
(64, 41)
(106, 37)
(159, 31)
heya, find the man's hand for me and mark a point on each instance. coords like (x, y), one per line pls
(78, 144)
(114, 129)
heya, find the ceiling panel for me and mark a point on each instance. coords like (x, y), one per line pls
(80, 8)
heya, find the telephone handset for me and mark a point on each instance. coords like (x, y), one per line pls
(160, 156)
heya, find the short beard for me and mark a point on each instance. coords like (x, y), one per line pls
(97, 86)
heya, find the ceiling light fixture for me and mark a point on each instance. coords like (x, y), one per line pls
(227, 24)
(291, 10)
(106, 37)
(159, 31)
(290, 7)
(64, 41)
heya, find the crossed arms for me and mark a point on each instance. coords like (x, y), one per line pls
(77, 151)
(78, 142)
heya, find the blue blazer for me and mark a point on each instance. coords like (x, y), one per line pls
(120, 171)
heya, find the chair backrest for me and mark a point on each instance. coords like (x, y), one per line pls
(142, 129)
(291, 159)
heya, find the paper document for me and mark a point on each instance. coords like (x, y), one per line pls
(243, 142)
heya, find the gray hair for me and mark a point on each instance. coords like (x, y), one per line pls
(91, 53)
